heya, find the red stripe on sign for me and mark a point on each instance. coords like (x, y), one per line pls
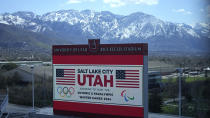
(132, 78)
(69, 74)
(127, 86)
(64, 84)
(63, 79)
(66, 81)
(128, 111)
(69, 69)
(129, 81)
(68, 77)
(131, 70)
(99, 59)
(133, 73)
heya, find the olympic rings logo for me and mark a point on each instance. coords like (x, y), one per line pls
(65, 91)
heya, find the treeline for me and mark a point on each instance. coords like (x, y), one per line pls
(23, 94)
(20, 91)
(195, 97)
(183, 61)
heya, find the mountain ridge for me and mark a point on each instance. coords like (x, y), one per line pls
(78, 26)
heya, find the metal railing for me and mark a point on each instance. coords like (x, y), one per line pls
(3, 103)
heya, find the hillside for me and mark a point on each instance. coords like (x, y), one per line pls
(16, 41)
(72, 26)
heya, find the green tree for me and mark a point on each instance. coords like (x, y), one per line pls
(3, 82)
(155, 102)
(9, 66)
(14, 80)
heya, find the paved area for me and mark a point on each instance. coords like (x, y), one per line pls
(47, 112)
(156, 115)
(13, 108)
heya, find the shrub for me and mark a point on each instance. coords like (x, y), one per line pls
(155, 102)
(9, 66)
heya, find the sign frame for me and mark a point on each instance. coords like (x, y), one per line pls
(69, 55)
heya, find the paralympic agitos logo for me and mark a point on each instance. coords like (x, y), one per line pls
(126, 98)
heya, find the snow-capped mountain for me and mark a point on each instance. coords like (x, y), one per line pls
(78, 26)
(202, 29)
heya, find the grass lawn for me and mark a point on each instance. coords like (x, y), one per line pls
(192, 79)
(170, 109)
(188, 79)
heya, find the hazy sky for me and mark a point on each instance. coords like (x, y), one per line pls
(179, 11)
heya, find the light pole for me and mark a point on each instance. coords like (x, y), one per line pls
(180, 92)
(32, 73)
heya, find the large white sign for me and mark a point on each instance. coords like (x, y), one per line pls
(99, 84)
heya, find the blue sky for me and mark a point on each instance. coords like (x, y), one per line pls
(178, 11)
